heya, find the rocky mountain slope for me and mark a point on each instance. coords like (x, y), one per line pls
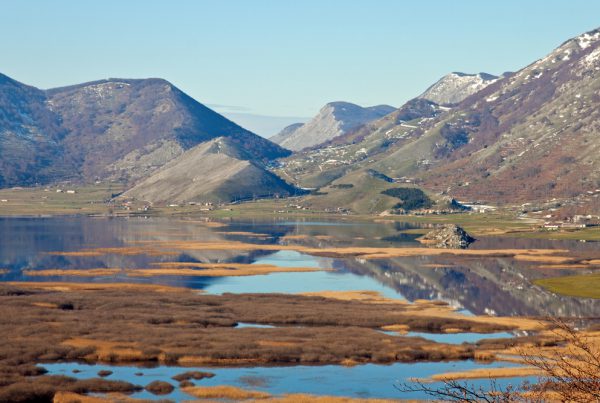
(116, 129)
(334, 119)
(453, 88)
(215, 171)
(353, 150)
(285, 132)
(29, 135)
(532, 136)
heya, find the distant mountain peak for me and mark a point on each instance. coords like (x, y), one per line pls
(334, 119)
(587, 39)
(456, 86)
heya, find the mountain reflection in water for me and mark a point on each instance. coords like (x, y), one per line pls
(481, 285)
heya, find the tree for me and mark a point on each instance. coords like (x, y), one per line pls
(570, 373)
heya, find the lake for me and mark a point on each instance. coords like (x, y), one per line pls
(475, 285)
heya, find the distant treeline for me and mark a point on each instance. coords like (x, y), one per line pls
(411, 198)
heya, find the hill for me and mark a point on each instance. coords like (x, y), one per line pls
(215, 171)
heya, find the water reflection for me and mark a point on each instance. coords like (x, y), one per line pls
(492, 285)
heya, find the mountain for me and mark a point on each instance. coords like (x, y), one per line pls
(354, 150)
(124, 129)
(214, 171)
(285, 132)
(530, 136)
(334, 119)
(453, 88)
(115, 129)
(29, 135)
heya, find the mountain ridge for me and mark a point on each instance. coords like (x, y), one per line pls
(334, 119)
(111, 129)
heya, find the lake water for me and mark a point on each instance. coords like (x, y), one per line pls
(361, 381)
(498, 286)
(493, 285)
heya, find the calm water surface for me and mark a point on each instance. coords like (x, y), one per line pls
(499, 286)
(361, 381)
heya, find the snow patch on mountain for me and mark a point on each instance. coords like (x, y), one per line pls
(455, 87)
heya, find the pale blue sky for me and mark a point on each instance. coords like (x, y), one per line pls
(282, 58)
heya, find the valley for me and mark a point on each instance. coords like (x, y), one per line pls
(152, 249)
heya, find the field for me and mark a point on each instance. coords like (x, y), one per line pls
(97, 200)
(583, 286)
(92, 199)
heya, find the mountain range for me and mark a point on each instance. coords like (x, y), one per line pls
(524, 137)
(126, 130)
(529, 136)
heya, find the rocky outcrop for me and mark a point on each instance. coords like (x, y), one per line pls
(449, 236)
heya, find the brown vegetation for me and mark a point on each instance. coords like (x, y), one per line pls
(159, 388)
(488, 373)
(224, 392)
(168, 247)
(305, 398)
(72, 272)
(196, 375)
(122, 323)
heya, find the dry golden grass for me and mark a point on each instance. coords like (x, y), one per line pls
(361, 295)
(544, 259)
(72, 272)
(107, 351)
(169, 247)
(125, 251)
(305, 398)
(244, 233)
(487, 373)
(270, 343)
(400, 329)
(430, 309)
(211, 224)
(45, 305)
(71, 397)
(81, 253)
(217, 270)
(224, 392)
(520, 323)
(66, 287)
(294, 237)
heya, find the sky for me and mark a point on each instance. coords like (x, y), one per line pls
(268, 63)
